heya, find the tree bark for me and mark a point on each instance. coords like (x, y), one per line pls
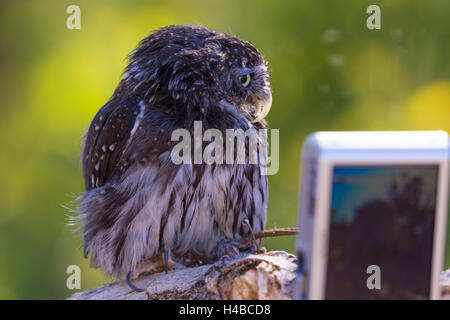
(268, 275)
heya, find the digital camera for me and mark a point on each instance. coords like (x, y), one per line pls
(373, 215)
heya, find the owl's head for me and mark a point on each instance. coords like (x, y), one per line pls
(197, 70)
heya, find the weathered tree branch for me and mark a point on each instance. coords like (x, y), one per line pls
(268, 233)
(274, 233)
(269, 275)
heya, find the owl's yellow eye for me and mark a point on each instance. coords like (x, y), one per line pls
(245, 80)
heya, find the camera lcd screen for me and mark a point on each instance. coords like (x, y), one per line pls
(381, 232)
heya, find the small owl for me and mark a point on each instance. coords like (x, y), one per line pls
(138, 203)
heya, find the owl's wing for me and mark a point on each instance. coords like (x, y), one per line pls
(107, 139)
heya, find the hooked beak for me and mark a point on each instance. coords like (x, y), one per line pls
(263, 107)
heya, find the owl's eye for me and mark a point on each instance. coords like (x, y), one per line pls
(245, 80)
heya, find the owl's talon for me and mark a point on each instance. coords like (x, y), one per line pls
(234, 251)
(227, 247)
(131, 285)
(166, 260)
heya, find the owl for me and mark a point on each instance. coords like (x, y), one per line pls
(139, 206)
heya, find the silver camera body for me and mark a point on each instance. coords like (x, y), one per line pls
(373, 215)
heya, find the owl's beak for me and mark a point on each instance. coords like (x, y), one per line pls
(263, 107)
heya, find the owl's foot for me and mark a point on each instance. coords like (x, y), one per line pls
(131, 285)
(228, 247)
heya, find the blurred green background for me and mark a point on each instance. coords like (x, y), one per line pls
(329, 72)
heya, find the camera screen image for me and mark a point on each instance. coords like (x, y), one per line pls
(381, 216)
